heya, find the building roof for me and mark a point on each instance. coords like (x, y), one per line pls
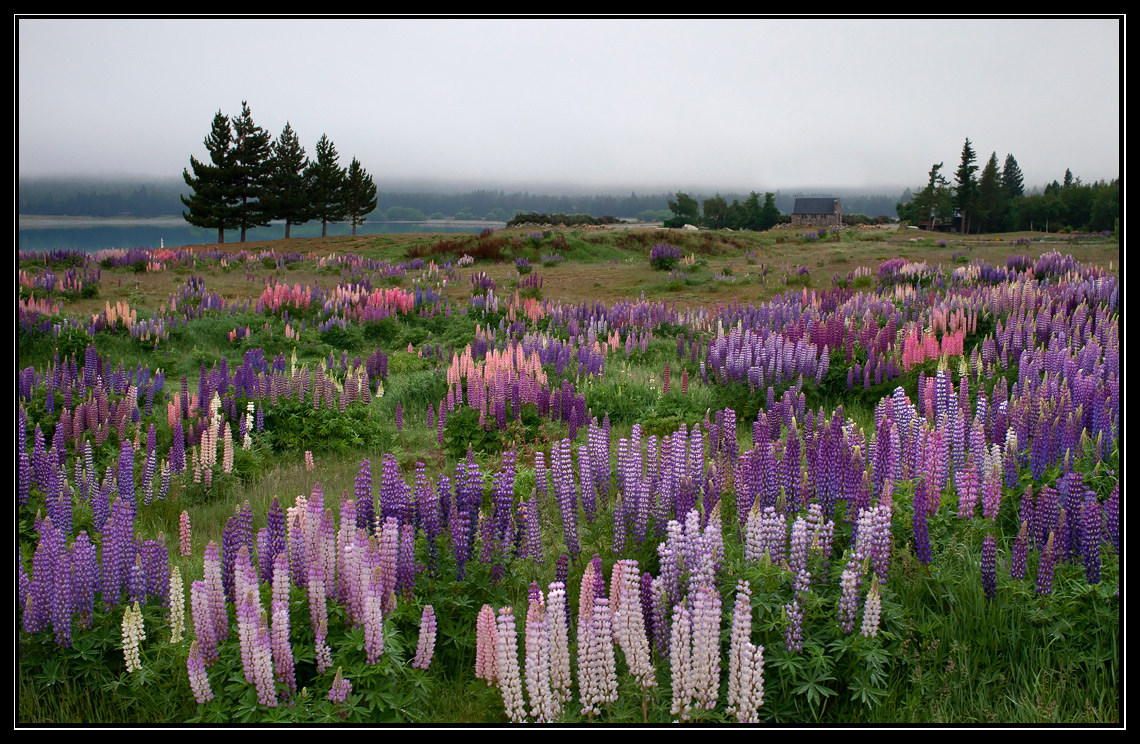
(815, 205)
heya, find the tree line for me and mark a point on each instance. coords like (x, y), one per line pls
(252, 179)
(716, 213)
(995, 200)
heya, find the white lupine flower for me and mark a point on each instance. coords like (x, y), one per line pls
(133, 634)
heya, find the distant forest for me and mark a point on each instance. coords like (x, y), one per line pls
(108, 198)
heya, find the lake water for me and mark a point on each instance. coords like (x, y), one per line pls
(89, 235)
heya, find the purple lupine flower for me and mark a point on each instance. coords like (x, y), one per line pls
(127, 473)
(362, 495)
(1045, 567)
(849, 600)
(373, 616)
(989, 566)
(1091, 537)
(1020, 552)
(1112, 517)
(341, 688)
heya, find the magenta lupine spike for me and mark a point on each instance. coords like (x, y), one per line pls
(425, 646)
(486, 646)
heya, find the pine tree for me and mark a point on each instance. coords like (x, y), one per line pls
(213, 203)
(326, 185)
(359, 194)
(251, 162)
(1011, 179)
(769, 214)
(967, 193)
(991, 196)
(286, 194)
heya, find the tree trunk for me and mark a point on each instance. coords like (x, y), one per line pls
(242, 233)
(287, 225)
(221, 234)
(354, 229)
(324, 228)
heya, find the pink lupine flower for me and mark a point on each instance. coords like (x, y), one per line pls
(425, 647)
(486, 646)
(184, 534)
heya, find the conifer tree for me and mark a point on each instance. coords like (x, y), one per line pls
(359, 193)
(967, 192)
(251, 162)
(212, 202)
(1012, 179)
(326, 185)
(286, 194)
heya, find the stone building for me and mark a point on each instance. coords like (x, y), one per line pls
(817, 212)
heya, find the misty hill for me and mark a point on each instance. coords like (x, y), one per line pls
(136, 198)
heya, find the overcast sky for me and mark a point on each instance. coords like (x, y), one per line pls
(607, 105)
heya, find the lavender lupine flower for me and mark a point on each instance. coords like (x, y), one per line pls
(849, 600)
(341, 688)
(425, 646)
(406, 562)
(1091, 537)
(629, 623)
(706, 646)
(318, 616)
(373, 619)
(680, 656)
(921, 534)
(989, 566)
(199, 681)
(746, 662)
(793, 632)
(507, 661)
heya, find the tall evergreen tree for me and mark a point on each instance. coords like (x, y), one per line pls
(286, 194)
(212, 202)
(967, 193)
(1012, 179)
(326, 185)
(359, 194)
(769, 213)
(251, 163)
(991, 196)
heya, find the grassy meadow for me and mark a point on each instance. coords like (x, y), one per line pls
(744, 413)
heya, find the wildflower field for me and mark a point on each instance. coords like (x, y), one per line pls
(571, 476)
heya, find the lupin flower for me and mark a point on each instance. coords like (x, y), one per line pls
(486, 646)
(1091, 513)
(425, 646)
(341, 688)
(1045, 567)
(196, 670)
(184, 534)
(871, 610)
(989, 566)
(746, 661)
(177, 605)
(507, 660)
(134, 633)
